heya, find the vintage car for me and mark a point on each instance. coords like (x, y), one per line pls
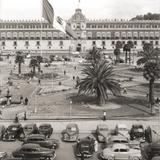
(46, 129)
(120, 151)
(137, 132)
(42, 141)
(85, 146)
(3, 155)
(13, 132)
(28, 129)
(103, 133)
(2, 130)
(71, 133)
(156, 158)
(123, 140)
(34, 151)
(122, 129)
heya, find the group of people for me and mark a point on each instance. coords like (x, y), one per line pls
(24, 100)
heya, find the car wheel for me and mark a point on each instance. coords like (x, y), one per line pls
(110, 158)
(135, 158)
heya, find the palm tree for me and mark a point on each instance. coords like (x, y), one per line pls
(33, 64)
(151, 73)
(98, 79)
(131, 45)
(39, 61)
(95, 55)
(19, 59)
(148, 53)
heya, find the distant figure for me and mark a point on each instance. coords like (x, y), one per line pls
(73, 77)
(157, 100)
(0, 114)
(35, 130)
(75, 67)
(26, 101)
(21, 99)
(104, 115)
(39, 81)
(95, 145)
(25, 116)
(64, 72)
(124, 91)
(148, 134)
(16, 120)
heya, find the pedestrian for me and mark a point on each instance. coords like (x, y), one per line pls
(73, 77)
(157, 100)
(148, 134)
(124, 91)
(16, 120)
(21, 99)
(0, 114)
(25, 116)
(64, 72)
(39, 81)
(75, 67)
(26, 101)
(95, 145)
(10, 100)
(78, 141)
(104, 115)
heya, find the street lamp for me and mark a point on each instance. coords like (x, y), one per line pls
(70, 108)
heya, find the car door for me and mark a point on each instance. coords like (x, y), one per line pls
(121, 154)
(31, 153)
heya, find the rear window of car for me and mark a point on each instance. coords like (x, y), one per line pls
(44, 127)
(72, 129)
(12, 128)
(123, 150)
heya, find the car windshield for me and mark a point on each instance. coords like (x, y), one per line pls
(119, 141)
(43, 127)
(72, 129)
(13, 128)
(123, 129)
(138, 130)
(103, 129)
(123, 150)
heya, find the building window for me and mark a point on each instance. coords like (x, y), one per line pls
(123, 42)
(157, 43)
(61, 43)
(26, 43)
(3, 43)
(143, 42)
(49, 43)
(15, 43)
(113, 42)
(93, 43)
(135, 42)
(38, 43)
(15, 47)
(151, 42)
(103, 43)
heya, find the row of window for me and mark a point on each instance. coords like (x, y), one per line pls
(150, 25)
(123, 42)
(15, 43)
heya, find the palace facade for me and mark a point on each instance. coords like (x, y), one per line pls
(34, 36)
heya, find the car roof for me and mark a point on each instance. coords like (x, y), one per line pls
(119, 146)
(72, 125)
(118, 137)
(30, 145)
(122, 125)
(137, 125)
(36, 136)
(45, 124)
(14, 125)
(102, 126)
(28, 125)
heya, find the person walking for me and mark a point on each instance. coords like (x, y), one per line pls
(104, 115)
(21, 99)
(26, 101)
(16, 120)
(25, 116)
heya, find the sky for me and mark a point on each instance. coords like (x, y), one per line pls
(92, 9)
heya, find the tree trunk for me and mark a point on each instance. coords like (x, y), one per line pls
(19, 68)
(34, 70)
(39, 67)
(126, 57)
(151, 93)
(129, 57)
(99, 98)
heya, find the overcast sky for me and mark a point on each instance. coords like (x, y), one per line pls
(94, 9)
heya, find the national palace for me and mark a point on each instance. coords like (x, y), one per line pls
(33, 36)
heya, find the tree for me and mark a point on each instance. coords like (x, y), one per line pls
(19, 59)
(117, 51)
(126, 49)
(98, 78)
(39, 61)
(151, 70)
(33, 64)
(95, 55)
(151, 73)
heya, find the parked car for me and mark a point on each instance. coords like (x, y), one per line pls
(46, 129)
(123, 130)
(156, 158)
(103, 133)
(2, 130)
(86, 147)
(123, 140)
(71, 132)
(42, 141)
(137, 132)
(28, 129)
(32, 151)
(3, 155)
(120, 151)
(13, 132)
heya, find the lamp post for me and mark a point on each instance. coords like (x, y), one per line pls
(70, 108)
